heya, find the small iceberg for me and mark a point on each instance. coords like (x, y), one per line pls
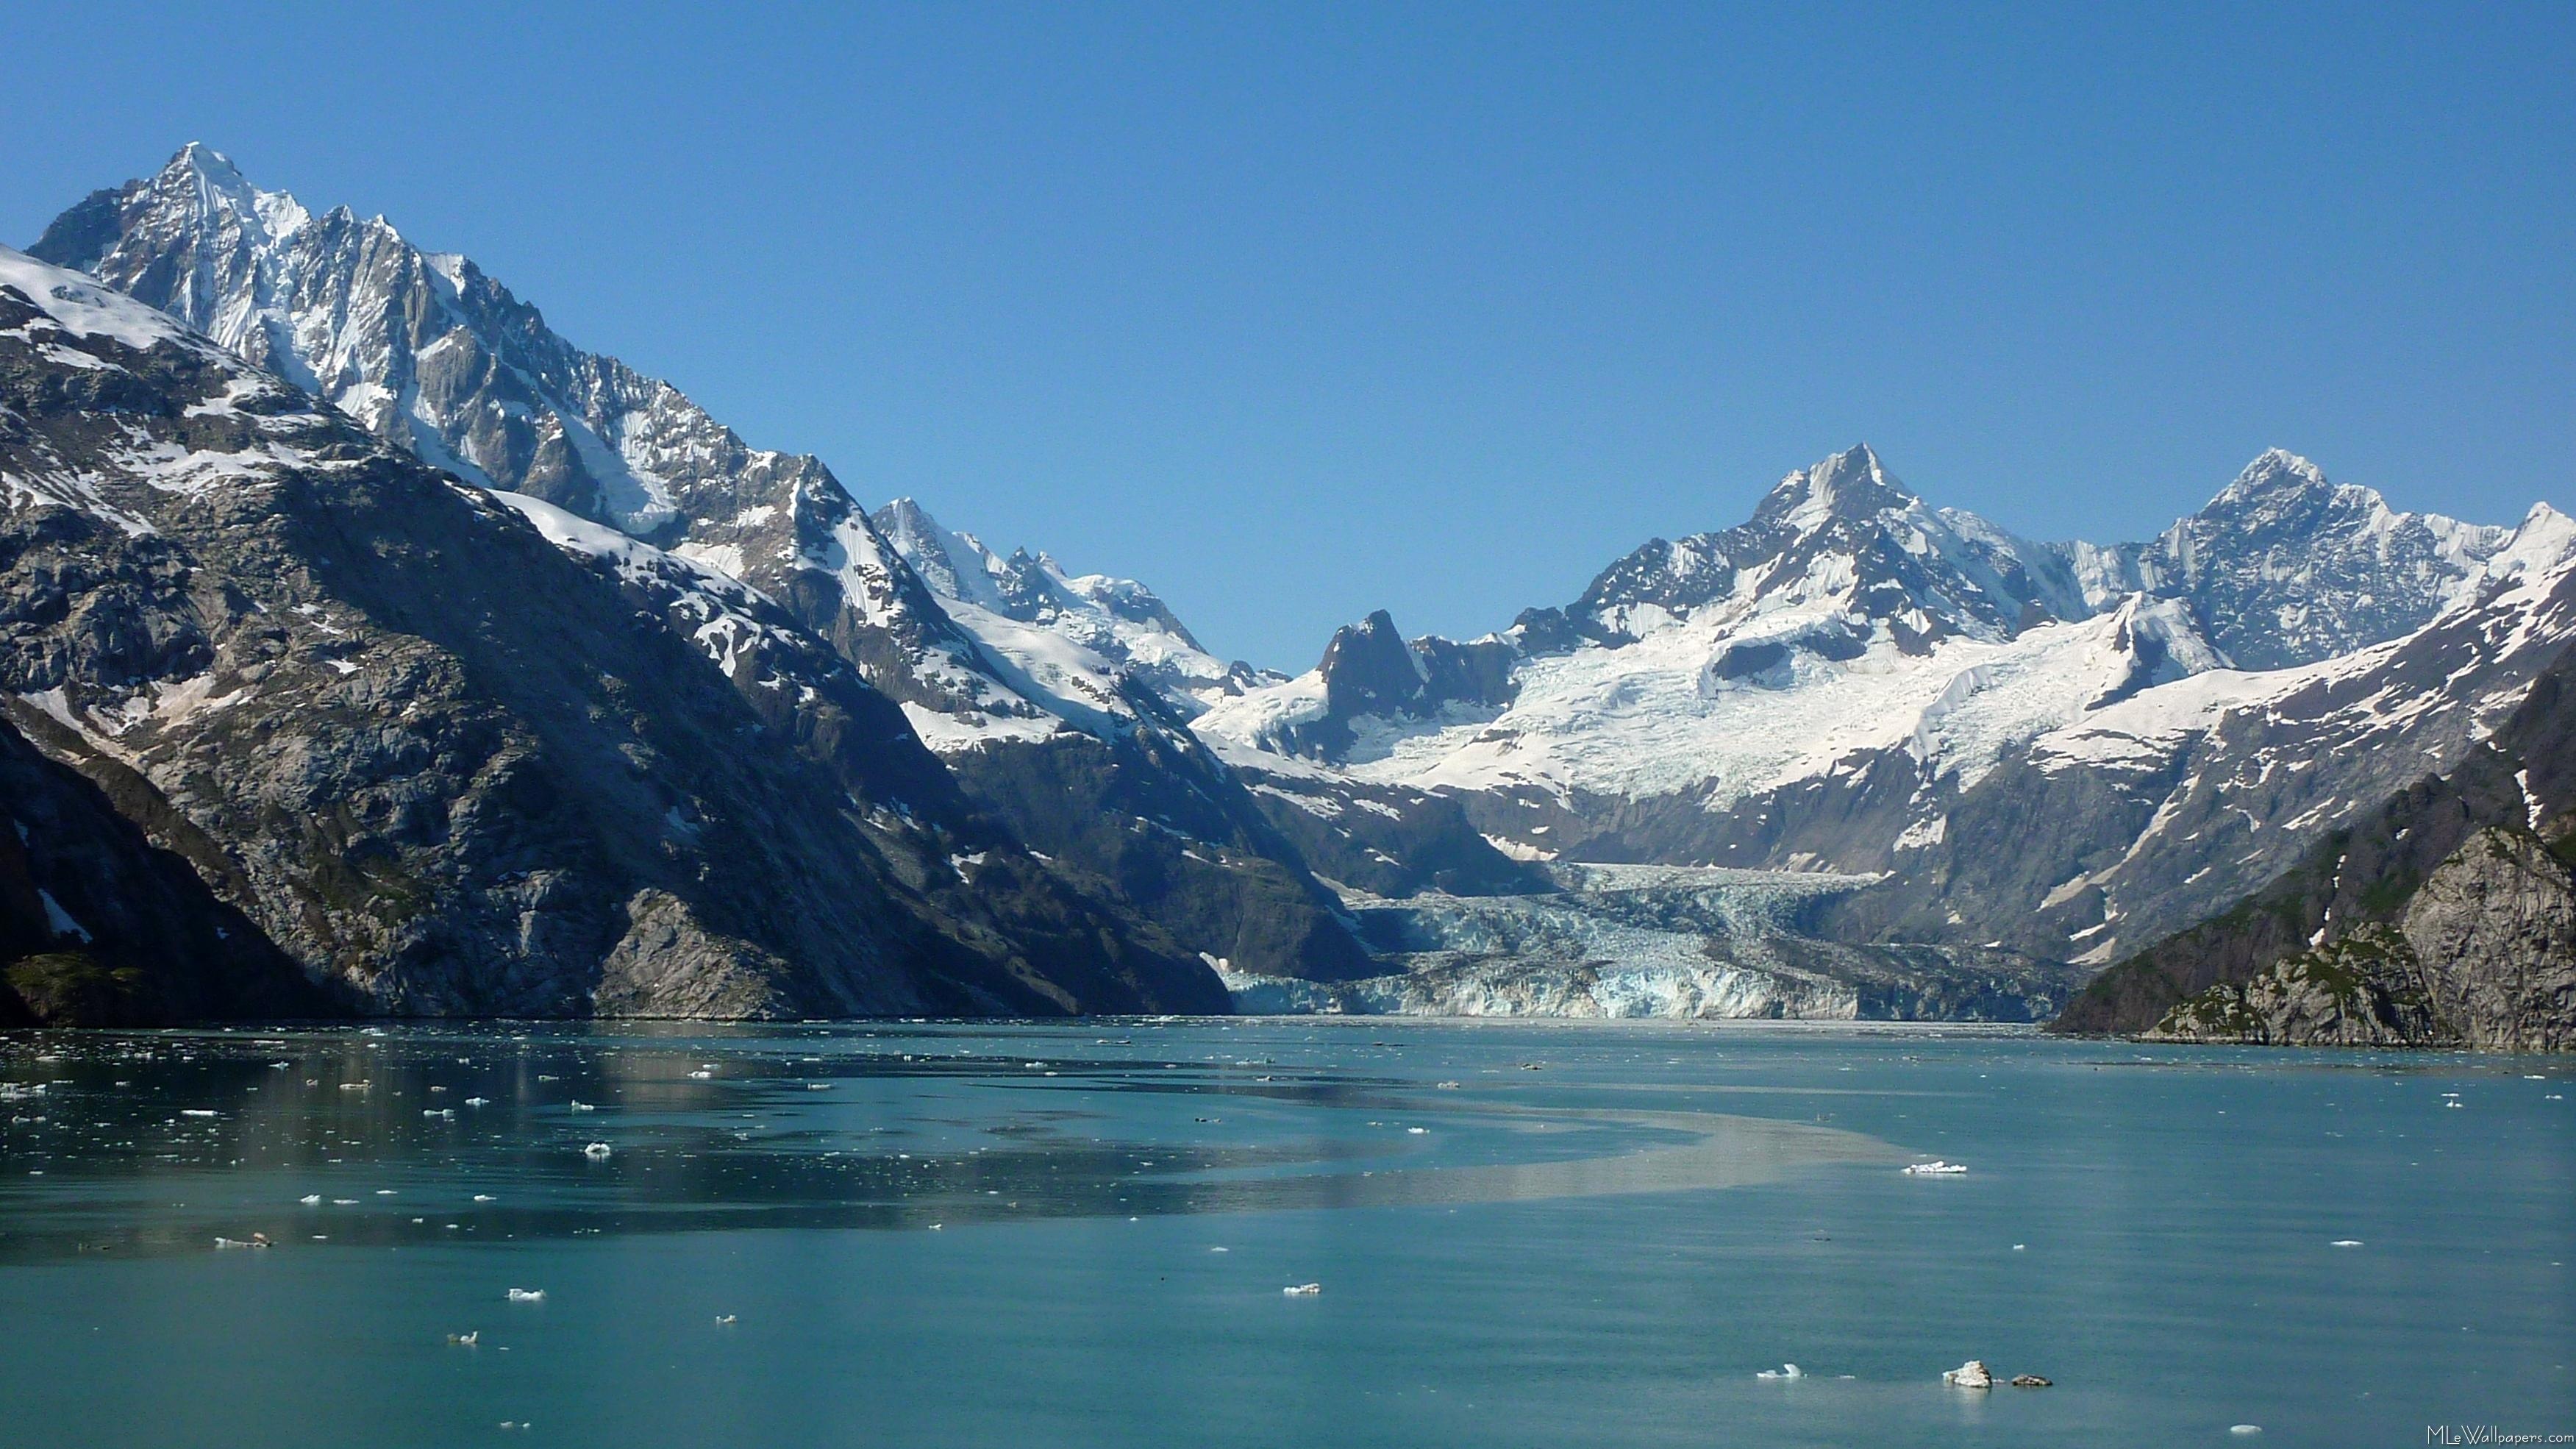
(466, 1340)
(255, 1240)
(1784, 1371)
(1969, 1375)
(597, 1151)
(2031, 1381)
(1935, 1168)
(2346, 1243)
(580, 1106)
(723, 1319)
(1303, 1290)
(527, 1295)
(311, 1199)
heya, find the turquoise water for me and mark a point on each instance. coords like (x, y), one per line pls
(980, 1234)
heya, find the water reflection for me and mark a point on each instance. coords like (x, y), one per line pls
(137, 1143)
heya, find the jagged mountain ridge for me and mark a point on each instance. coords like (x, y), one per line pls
(436, 762)
(1854, 681)
(1090, 767)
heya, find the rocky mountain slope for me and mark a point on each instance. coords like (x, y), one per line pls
(1084, 761)
(436, 762)
(2447, 916)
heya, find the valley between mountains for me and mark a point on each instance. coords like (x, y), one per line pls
(366, 648)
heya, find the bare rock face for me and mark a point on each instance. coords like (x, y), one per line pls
(2363, 990)
(2484, 957)
(2495, 932)
(668, 965)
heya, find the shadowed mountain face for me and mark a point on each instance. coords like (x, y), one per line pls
(429, 355)
(438, 763)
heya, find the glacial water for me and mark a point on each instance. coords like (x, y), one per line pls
(1544, 1234)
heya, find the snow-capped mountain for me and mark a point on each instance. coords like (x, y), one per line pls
(426, 761)
(1836, 558)
(2041, 752)
(424, 351)
(1854, 680)
(2286, 567)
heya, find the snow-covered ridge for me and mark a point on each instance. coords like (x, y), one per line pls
(76, 304)
(1078, 636)
(81, 325)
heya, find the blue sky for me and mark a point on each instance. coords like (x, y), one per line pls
(1299, 311)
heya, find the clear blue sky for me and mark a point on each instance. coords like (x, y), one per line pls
(1295, 312)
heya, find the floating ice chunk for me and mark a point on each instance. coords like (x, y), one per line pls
(1935, 1168)
(483, 1197)
(2347, 1242)
(1969, 1375)
(196, 1112)
(311, 1199)
(2245, 1429)
(1784, 1371)
(1303, 1290)
(596, 1151)
(527, 1295)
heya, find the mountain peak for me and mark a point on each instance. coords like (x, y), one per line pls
(1849, 484)
(200, 159)
(206, 183)
(2274, 470)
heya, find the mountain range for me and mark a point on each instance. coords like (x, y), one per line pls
(426, 663)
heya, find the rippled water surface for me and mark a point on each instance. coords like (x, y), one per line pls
(1078, 1234)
